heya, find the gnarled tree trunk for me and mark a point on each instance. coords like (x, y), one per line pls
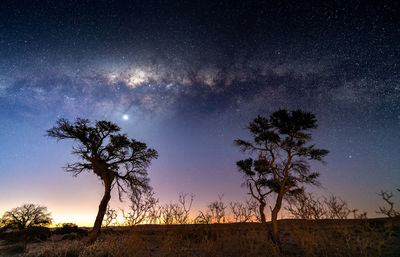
(101, 212)
(274, 218)
(262, 215)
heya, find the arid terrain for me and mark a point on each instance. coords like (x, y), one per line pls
(372, 237)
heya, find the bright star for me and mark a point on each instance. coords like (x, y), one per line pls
(125, 117)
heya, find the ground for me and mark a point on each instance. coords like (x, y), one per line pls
(372, 237)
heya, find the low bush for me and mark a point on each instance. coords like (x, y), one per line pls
(27, 235)
(68, 228)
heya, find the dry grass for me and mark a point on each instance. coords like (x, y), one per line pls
(378, 237)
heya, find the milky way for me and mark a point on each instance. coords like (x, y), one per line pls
(191, 76)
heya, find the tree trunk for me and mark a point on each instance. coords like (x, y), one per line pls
(274, 218)
(100, 214)
(262, 215)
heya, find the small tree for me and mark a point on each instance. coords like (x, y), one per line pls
(391, 212)
(177, 213)
(27, 215)
(336, 207)
(113, 157)
(215, 213)
(110, 217)
(142, 202)
(217, 210)
(281, 144)
(244, 212)
(305, 206)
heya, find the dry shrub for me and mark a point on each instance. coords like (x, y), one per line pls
(215, 213)
(110, 217)
(245, 212)
(217, 240)
(174, 213)
(307, 206)
(12, 250)
(142, 204)
(130, 245)
(391, 212)
(56, 249)
(299, 238)
(336, 207)
(339, 238)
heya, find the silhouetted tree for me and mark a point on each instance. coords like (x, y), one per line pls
(306, 206)
(256, 177)
(391, 212)
(113, 157)
(141, 204)
(336, 207)
(110, 217)
(244, 212)
(27, 215)
(177, 213)
(281, 144)
(215, 213)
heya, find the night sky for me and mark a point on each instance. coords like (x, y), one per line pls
(186, 79)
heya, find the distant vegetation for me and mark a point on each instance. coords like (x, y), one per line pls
(323, 228)
(26, 216)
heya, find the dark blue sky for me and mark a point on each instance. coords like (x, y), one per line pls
(190, 77)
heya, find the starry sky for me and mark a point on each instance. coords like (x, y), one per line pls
(186, 77)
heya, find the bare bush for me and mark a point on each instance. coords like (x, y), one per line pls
(142, 202)
(244, 212)
(217, 210)
(362, 215)
(154, 215)
(305, 206)
(336, 208)
(253, 206)
(177, 213)
(391, 212)
(215, 213)
(110, 217)
(203, 218)
(166, 213)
